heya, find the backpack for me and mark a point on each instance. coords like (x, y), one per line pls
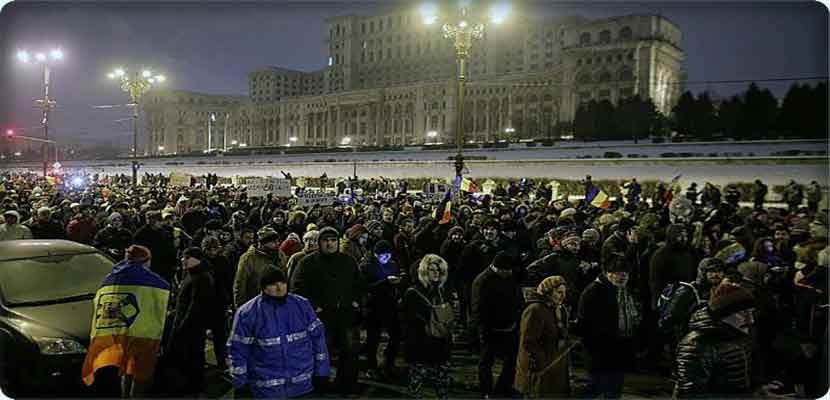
(441, 318)
(665, 298)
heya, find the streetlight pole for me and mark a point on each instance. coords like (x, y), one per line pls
(136, 85)
(46, 103)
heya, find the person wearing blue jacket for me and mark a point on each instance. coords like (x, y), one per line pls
(277, 346)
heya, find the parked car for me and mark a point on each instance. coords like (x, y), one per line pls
(46, 293)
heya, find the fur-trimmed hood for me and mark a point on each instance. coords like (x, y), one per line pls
(423, 269)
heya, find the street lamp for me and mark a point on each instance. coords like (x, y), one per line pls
(45, 104)
(432, 135)
(346, 141)
(462, 26)
(292, 140)
(161, 149)
(136, 85)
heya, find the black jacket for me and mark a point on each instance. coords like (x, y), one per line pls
(420, 347)
(597, 323)
(713, 360)
(382, 295)
(115, 239)
(223, 275)
(161, 248)
(476, 257)
(496, 303)
(233, 251)
(194, 220)
(194, 308)
(670, 264)
(49, 230)
(329, 281)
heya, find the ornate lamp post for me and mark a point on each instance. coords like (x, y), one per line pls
(46, 103)
(462, 26)
(136, 84)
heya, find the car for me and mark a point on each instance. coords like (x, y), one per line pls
(46, 293)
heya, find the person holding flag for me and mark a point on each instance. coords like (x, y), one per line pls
(129, 312)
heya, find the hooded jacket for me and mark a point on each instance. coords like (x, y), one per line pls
(713, 360)
(417, 303)
(252, 266)
(16, 231)
(673, 262)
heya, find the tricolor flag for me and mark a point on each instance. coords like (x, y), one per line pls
(598, 198)
(444, 210)
(128, 321)
(469, 186)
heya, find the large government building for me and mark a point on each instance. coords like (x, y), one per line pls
(391, 80)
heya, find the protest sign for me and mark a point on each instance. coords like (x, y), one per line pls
(317, 198)
(278, 187)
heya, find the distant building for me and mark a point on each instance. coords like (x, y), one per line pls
(390, 79)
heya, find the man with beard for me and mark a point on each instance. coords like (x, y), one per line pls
(254, 264)
(330, 280)
(673, 262)
(688, 297)
(565, 263)
(153, 236)
(114, 239)
(44, 227)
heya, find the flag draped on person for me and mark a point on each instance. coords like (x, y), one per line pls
(128, 322)
(598, 198)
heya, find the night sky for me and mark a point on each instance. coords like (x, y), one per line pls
(210, 47)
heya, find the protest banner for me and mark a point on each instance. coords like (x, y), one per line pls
(316, 198)
(278, 187)
(179, 179)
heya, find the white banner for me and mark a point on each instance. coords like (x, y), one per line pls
(279, 187)
(179, 179)
(317, 198)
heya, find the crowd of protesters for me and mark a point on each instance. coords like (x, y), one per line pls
(725, 299)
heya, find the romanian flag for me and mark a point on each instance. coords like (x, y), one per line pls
(444, 210)
(128, 322)
(600, 199)
(469, 186)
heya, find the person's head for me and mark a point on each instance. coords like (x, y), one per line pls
(713, 270)
(502, 264)
(329, 240)
(456, 234)
(278, 217)
(44, 214)
(116, 220)
(274, 283)
(310, 240)
(154, 219)
(198, 205)
(213, 227)
(733, 305)
(11, 217)
(388, 215)
(782, 234)
(139, 254)
(407, 225)
(211, 245)
(490, 230)
(478, 218)
(192, 257)
(676, 235)
(269, 239)
(553, 289)
(571, 242)
(590, 237)
(508, 229)
(246, 236)
(616, 270)
(383, 252)
(375, 229)
(432, 270)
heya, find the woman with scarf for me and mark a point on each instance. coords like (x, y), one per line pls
(542, 363)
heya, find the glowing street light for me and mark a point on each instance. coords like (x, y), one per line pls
(136, 85)
(346, 141)
(234, 142)
(161, 148)
(46, 104)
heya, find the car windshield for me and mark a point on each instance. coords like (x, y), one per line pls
(53, 278)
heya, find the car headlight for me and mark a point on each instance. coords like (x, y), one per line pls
(58, 346)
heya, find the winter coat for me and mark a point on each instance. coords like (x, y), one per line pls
(813, 193)
(404, 252)
(541, 365)
(353, 249)
(194, 308)
(670, 264)
(382, 295)
(48, 230)
(223, 277)
(193, 221)
(276, 346)
(451, 252)
(598, 324)
(420, 347)
(14, 232)
(713, 360)
(496, 303)
(112, 238)
(252, 267)
(81, 230)
(162, 249)
(476, 257)
(294, 261)
(562, 263)
(331, 282)
(233, 252)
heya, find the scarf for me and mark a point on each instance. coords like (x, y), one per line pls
(628, 314)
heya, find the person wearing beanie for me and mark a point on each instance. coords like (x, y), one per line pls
(674, 261)
(82, 227)
(383, 280)
(114, 238)
(542, 362)
(310, 240)
(608, 318)
(354, 243)
(715, 358)
(685, 298)
(43, 226)
(565, 263)
(476, 257)
(375, 229)
(496, 300)
(622, 241)
(300, 364)
(291, 246)
(331, 281)
(195, 305)
(254, 262)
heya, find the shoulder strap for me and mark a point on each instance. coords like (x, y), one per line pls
(694, 290)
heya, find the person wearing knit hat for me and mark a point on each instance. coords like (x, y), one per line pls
(715, 359)
(495, 297)
(254, 262)
(355, 242)
(138, 253)
(310, 245)
(290, 246)
(331, 281)
(185, 350)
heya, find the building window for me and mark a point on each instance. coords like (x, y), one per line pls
(372, 27)
(585, 38)
(604, 76)
(625, 33)
(625, 74)
(605, 37)
(363, 28)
